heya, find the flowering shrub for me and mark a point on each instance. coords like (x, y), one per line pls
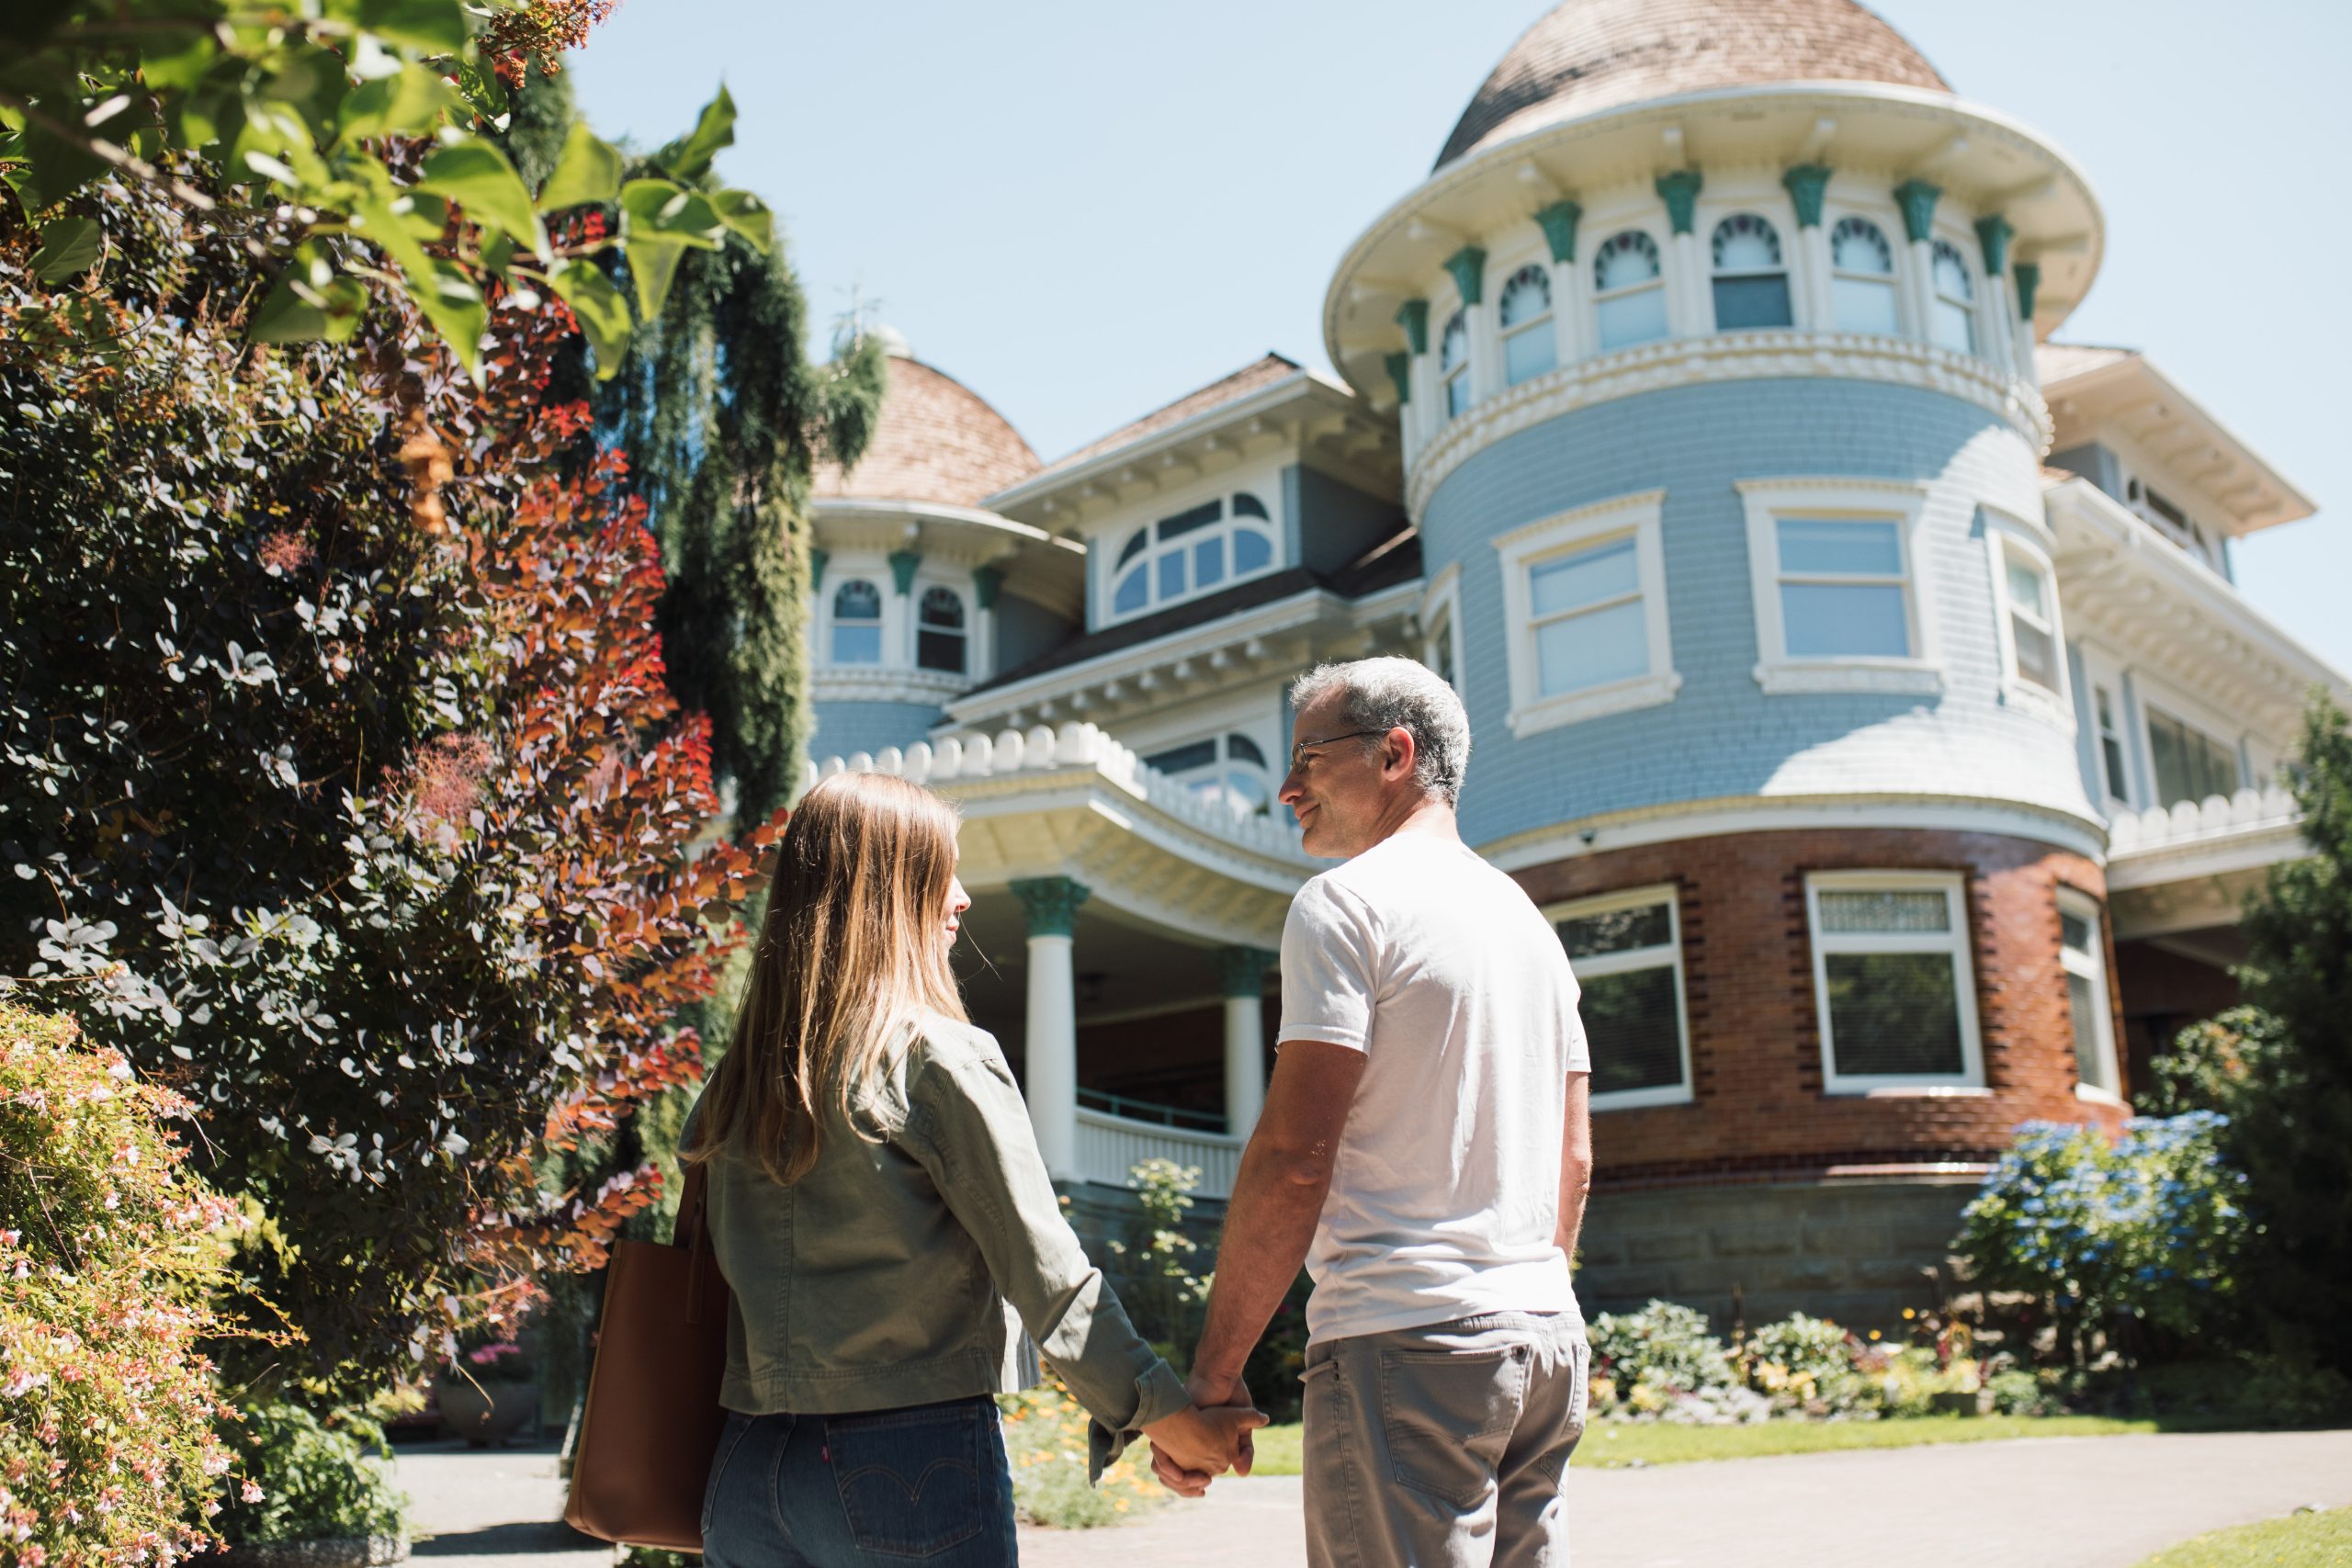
(109, 1264)
(1045, 1438)
(2146, 1229)
(316, 1480)
(1663, 1346)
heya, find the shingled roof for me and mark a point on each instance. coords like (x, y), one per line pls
(1259, 373)
(938, 441)
(1589, 55)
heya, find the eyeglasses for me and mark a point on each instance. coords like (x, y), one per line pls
(1298, 752)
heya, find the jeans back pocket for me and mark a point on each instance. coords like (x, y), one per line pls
(910, 1480)
(1447, 1416)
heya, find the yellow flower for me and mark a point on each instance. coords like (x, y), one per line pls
(1873, 1333)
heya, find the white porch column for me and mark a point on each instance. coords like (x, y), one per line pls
(981, 657)
(1051, 904)
(1245, 1036)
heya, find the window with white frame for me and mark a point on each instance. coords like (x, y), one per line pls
(1861, 278)
(1530, 345)
(2110, 745)
(2188, 764)
(1894, 993)
(1230, 768)
(939, 630)
(1955, 306)
(858, 623)
(2083, 956)
(2032, 647)
(1441, 626)
(1628, 290)
(1454, 364)
(1585, 593)
(1198, 550)
(1626, 950)
(1751, 285)
(1837, 607)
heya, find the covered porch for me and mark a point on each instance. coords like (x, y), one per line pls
(1120, 944)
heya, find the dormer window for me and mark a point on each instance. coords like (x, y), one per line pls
(1454, 364)
(1955, 320)
(858, 623)
(939, 631)
(1751, 285)
(1629, 290)
(1529, 347)
(1196, 551)
(1861, 278)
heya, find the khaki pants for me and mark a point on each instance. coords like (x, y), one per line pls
(1444, 1447)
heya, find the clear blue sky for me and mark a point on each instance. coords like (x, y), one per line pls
(1083, 210)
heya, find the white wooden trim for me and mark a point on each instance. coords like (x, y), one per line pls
(1443, 597)
(1680, 1092)
(1524, 548)
(1954, 941)
(2003, 534)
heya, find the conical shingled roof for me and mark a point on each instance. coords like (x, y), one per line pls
(1589, 55)
(938, 442)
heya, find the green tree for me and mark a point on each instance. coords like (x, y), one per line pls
(370, 128)
(2293, 1121)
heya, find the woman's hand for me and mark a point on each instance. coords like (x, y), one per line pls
(1194, 1446)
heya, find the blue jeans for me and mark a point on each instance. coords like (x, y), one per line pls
(929, 1483)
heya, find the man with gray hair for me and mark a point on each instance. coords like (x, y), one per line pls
(1425, 1150)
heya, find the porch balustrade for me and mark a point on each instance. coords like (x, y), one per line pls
(1110, 1145)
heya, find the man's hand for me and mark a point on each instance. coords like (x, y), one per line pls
(1211, 1394)
(1194, 1446)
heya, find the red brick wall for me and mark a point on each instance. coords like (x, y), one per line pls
(1758, 1104)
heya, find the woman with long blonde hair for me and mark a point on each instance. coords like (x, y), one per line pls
(888, 1227)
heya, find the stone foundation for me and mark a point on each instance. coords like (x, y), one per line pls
(1857, 1252)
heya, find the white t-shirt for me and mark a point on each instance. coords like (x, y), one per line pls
(1446, 1193)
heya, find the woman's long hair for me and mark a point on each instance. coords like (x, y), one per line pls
(851, 955)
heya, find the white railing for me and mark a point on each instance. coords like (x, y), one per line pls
(1109, 1146)
(972, 755)
(2193, 822)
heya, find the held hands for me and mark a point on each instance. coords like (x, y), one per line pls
(1197, 1444)
(1204, 1442)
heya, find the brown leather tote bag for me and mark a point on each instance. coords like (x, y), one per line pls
(652, 1417)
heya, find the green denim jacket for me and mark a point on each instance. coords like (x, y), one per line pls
(903, 1267)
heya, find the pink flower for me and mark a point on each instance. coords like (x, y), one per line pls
(251, 1492)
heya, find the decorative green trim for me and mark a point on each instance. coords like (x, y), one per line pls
(1051, 903)
(1680, 189)
(2029, 277)
(1400, 371)
(1917, 199)
(818, 557)
(1413, 315)
(1995, 233)
(1243, 970)
(1559, 224)
(903, 569)
(1808, 184)
(1468, 265)
(986, 581)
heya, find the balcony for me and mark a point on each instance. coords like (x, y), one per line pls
(2192, 865)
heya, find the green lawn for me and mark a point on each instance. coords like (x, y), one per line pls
(1614, 1444)
(2300, 1540)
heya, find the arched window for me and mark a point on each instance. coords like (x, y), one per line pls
(1752, 286)
(1200, 548)
(1629, 291)
(858, 623)
(1955, 325)
(939, 631)
(1529, 346)
(1228, 768)
(1454, 364)
(1861, 278)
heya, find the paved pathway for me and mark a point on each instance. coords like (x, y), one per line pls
(2043, 1502)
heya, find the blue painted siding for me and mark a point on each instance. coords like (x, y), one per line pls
(1723, 737)
(844, 729)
